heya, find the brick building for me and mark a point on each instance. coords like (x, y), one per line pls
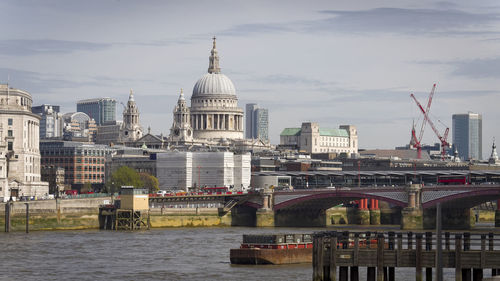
(82, 162)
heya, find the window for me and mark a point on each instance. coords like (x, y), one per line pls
(10, 133)
(10, 146)
(10, 121)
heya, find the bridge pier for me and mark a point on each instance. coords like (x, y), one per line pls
(412, 216)
(374, 212)
(264, 217)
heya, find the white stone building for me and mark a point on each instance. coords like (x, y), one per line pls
(214, 105)
(184, 170)
(310, 138)
(19, 146)
(214, 113)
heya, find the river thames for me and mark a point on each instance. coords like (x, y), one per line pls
(157, 254)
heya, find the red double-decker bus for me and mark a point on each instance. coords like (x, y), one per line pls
(452, 180)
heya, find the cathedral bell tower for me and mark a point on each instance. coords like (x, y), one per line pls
(181, 130)
(131, 129)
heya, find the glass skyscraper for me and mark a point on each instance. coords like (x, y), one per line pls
(257, 122)
(468, 135)
(101, 110)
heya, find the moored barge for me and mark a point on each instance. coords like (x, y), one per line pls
(273, 249)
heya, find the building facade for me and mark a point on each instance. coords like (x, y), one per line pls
(82, 162)
(184, 170)
(214, 105)
(19, 146)
(310, 138)
(468, 135)
(79, 126)
(257, 122)
(101, 109)
(51, 123)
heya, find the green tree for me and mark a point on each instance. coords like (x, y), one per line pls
(124, 176)
(150, 182)
(86, 188)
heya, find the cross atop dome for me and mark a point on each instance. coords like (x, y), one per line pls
(131, 95)
(213, 66)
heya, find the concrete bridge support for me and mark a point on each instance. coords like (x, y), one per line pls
(412, 216)
(374, 212)
(363, 212)
(265, 215)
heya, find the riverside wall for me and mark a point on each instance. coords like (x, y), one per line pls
(71, 214)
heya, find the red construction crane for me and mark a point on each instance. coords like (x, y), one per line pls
(416, 142)
(443, 139)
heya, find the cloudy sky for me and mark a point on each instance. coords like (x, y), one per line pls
(333, 62)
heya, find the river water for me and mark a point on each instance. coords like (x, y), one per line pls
(157, 254)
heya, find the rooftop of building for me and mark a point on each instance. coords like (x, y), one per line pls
(94, 100)
(322, 132)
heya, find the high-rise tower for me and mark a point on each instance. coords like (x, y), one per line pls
(468, 135)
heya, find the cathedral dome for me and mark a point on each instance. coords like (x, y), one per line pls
(213, 84)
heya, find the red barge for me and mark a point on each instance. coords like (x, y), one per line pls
(273, 249)
(285, 248)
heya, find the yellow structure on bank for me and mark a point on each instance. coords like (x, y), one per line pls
(136, 199)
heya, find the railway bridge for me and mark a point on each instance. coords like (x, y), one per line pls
(414, 204)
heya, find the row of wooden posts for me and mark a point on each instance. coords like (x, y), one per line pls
(8, 213)
(340, 254)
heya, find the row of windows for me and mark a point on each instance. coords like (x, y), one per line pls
(87, 176)
(70, 160)
(217, 102)
(70, 152)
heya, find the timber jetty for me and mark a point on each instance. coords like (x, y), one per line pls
(337, 253)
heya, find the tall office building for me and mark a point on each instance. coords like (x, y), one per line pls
(468, 135)
(257, 122)
(51, 124)
(102, 110)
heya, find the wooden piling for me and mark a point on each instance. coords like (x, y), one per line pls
(380, 256)
(458, 260)
(447, 241)
(370, 274)
(354, 273)
(317, 258)
(490, 248)
(333, 258)
(466, 272)
(7, 216)
(418, 257)
(343, 273)
(428, 247)
(27, 217)
(355, 259)
(399, 249)
(410, 242)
